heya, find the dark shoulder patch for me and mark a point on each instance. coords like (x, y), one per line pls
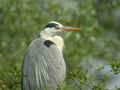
(48, 43)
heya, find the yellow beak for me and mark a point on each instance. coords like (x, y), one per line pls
(70, 29)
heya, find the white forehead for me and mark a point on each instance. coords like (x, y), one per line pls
(60, 25)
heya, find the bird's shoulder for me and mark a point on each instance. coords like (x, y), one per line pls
(43, 47)
(39, 42)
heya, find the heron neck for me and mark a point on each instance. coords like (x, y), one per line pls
(58, 40)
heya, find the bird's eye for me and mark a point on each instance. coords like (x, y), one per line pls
(57, 27)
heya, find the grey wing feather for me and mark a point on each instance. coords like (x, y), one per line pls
(43, 67)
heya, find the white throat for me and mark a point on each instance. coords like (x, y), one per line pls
(58, 40)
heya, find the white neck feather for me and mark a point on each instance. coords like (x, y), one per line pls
(56, 39)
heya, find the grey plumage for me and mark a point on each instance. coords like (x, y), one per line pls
(43, 67)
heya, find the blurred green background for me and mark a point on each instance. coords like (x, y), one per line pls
(92, 55)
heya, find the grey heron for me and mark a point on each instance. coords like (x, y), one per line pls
(43, 66)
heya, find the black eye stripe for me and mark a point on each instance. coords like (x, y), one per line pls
(51, 25)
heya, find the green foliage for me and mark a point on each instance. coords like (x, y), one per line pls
(22, 20)
(10, 80)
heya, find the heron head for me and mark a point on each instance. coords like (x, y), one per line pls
(55, 28)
